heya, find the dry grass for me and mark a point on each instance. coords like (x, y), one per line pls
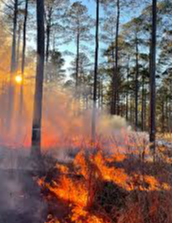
(109, 188)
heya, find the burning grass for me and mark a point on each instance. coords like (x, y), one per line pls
(99, 187)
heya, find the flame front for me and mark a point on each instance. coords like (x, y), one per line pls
(93, 188)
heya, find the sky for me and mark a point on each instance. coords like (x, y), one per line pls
(91, 10)
(91, 5)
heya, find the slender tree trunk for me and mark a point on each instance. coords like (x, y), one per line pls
(37, 114)
(48, 30)
(13, 67)
(102, 96)
(152, 77)
(136, 84)
(13, 54)
(143, 104)
(127, 92)
(131, 111)
(77, 57)
(145, 116)
(54, 41)
(48, 33)
(23, 54)
(18, 47)
(126, 110)
(115, 72)
(47, 42)
(95, 72)
(24, 37)
(170, 109)
(163, 118)
(166, 112)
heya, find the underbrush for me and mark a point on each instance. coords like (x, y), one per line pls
(108, 188)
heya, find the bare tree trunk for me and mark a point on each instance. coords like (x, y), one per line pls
(23, 54)
(145, 116)
(47, 42)
(152, 76)
(37, 116)
(132, 110)
(18, 47)
(48, 33)
(95, 72)
(170, 109)
(143, 104)
(127, 94)
(115, 72)
(163, 118)
(102, 94)
(166, 114)
(13, 54)
(77, 57)
(24, 36)
(13, 66)
(136, 85)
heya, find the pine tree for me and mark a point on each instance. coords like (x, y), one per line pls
(37, 114)
(152, 76)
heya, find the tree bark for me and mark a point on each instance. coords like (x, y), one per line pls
(115, 70)
(48, 42)
(143, 104)
(77, 57)
(152, 76)
(136, 84)
(18, 48)
(24, 36)
(127, 92)
(23, 54)
(13, 53)
(13, 66)
(95, 72)
(37, 116)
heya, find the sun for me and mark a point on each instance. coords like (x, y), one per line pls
(18, 79)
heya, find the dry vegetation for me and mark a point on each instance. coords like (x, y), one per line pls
(110, 188)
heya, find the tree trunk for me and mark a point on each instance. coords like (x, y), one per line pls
(24, 36)
(47, 42)
(13, 54)
(115, 71)
(143, 104)
(13, 66)
(95, 72)
(23, 54)
(136, 85)
(166, 114)
(145, 113)
(127, 92)
(77, 57)
(37, 116)
(18, 47)
(152, 76)
(163, 118)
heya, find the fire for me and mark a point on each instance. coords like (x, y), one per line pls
(97, 179)
(82, 184)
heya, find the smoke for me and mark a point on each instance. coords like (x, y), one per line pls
(66, 118)
(107, 124)
(66, 122)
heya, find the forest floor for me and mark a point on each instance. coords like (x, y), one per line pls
(96, 187)
(118, 187)
(20, 197)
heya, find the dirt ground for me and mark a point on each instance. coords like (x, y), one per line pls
(20, 198)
